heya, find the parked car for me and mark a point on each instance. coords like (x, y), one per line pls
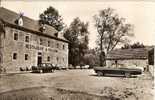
(85, 67)
(61, 67)
(71, 66)
(43, 68)
(77, 67)
(127, 72)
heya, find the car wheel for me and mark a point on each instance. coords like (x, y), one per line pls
(99, 73)
(127, 75)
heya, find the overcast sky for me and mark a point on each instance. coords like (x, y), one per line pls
(139, 13)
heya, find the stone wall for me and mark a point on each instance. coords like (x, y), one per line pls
(151, 70)
(128, 63)
(57, 54)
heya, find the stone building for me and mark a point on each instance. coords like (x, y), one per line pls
(25, 42)
(128, 58)
(151, 57)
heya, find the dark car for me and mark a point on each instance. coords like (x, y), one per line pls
(43, 68)
(127, 72)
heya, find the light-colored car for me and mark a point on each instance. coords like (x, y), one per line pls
(85, 67)
(77, 67)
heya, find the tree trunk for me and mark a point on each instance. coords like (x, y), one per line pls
(101, 54)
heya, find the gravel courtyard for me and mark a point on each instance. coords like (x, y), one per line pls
(77, 83)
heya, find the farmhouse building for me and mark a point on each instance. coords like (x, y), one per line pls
(128, 58)
(25, 42)
(151, 57)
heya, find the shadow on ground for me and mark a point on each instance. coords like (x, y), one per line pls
(49, 93)
(111, 75)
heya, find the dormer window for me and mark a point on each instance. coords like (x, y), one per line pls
(20, 21)
(42, 28)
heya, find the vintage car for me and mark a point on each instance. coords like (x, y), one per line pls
(43, 68)
(85, 66)
(127, 72)
(71, 66)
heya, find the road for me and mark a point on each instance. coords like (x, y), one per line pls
(79, 82)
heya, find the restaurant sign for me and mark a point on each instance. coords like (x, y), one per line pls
(42, 48)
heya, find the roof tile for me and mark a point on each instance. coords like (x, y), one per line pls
(28, 23)
(138, 53)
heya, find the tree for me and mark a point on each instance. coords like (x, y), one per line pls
(112, 31)
(77, 34)
(137, 45)
(133, 46)
(91, 57)
(52, 17)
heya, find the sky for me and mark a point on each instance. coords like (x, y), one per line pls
(139, 13)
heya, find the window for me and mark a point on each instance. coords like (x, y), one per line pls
(48, 58)
(26, 56)
(15, 36)
(14, 56)
(39, 53)
(52, 43)
(0, 59)
(41, 42)
(27, 39)
(57, 59)
(48, 43)
(64, 47)
(56, 34)
(57, 45)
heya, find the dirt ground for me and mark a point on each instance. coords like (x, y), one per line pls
(74, 83)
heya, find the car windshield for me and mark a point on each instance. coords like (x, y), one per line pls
(123, 68)
(43, 65)
(49, 65)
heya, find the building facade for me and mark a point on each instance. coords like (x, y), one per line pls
(128, 58)
(25, 42)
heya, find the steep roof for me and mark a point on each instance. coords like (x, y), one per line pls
(10, 17)
(121, 54)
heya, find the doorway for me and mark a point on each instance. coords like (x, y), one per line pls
(39, 60)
